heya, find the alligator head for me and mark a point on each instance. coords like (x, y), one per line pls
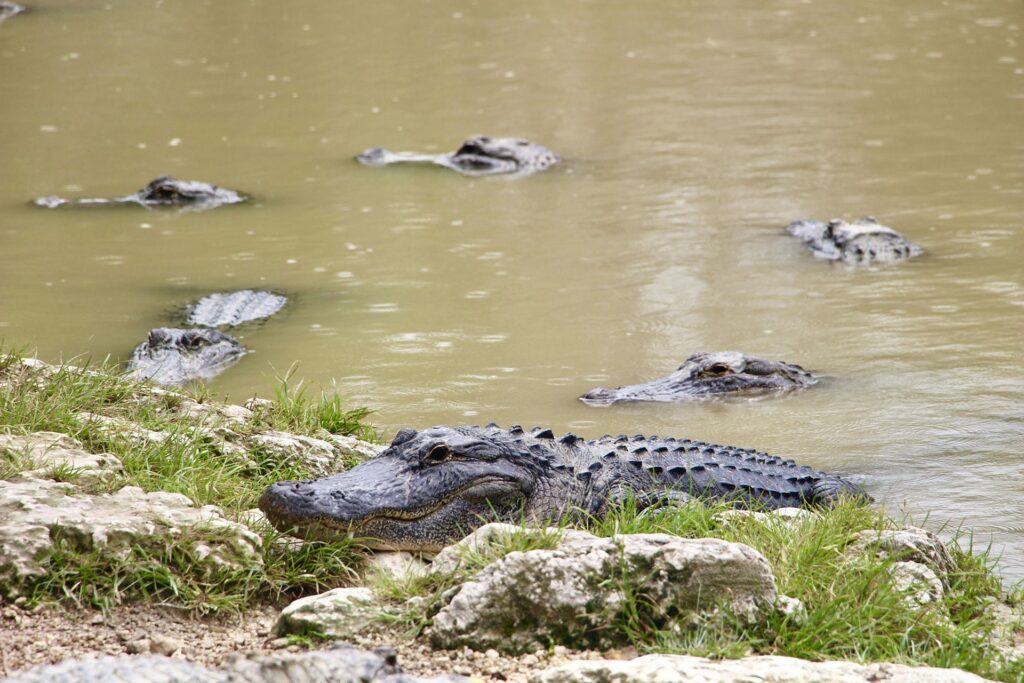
(482, 155)
(478, 156)
(168, 191)
(164, 191)
(428, 489)
(9, 9)
(174, 356)
(863, 241)
(706, 375)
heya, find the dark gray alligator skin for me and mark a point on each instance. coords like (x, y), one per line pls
(708, 375)
(432, 487)
(164, 191)
(172, 356)
(864, 241)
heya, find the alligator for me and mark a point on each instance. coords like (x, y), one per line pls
(432, 487)
(710, 375)
(863, 241)
(478, 156)
(342, 663)
(173, 356)
(9, 9)
(164, 191)
(228, 309)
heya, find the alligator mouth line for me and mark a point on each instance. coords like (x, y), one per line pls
(355, 525)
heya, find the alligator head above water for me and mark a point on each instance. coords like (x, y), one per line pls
(710, 375)
(432, 487)
(478, 156)
(863, 241)
(175, 356)
(9, 9)
(164, 191)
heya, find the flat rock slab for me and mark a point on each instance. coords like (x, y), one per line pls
(685, 669)
(569, 595)
(34, 514)
(340, 664)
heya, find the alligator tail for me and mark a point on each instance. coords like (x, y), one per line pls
(831, 490)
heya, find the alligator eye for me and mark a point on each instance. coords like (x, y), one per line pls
(437, 455)
(719, 369)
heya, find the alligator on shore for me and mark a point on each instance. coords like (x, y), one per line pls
(710, 375)
(431, 488)
(164, 191)
(228, 309)
(478, 156)
(9, 9)
(863, 241)
(175, 356)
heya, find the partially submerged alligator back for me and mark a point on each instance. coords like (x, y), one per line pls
(863, 241)
(228, 309)
(478, 156)
(708, 375)
(175, 356)
(164, 191)
(432, 487)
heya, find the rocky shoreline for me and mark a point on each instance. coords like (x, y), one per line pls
(81, 502)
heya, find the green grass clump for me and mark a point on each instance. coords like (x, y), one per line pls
(188, 460)
(294, 410)
(854, 610)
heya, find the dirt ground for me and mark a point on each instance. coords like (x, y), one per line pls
(47, 635)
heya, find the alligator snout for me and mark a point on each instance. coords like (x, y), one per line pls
(599, 397)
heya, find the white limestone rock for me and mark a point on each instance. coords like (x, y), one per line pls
(918, 583)
(350, 446)
(787, 516)
(771, 669)
(35, 513)
(338, 613)
(909, 544)
(398, 566)
(483, 540)
(316, 456)
(50, 452)
(529, 599)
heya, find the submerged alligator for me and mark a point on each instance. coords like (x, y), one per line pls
(431, 488)
(863, 241)
(708, 375)
(164, 191)
(478, 156)
(9, 9)
(173, 356)
(228, 309)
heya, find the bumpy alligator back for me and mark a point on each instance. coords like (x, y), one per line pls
(228, 309)
(704, 470)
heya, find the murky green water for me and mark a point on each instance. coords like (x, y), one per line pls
(691, 132)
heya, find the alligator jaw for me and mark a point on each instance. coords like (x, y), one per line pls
(295, 508)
